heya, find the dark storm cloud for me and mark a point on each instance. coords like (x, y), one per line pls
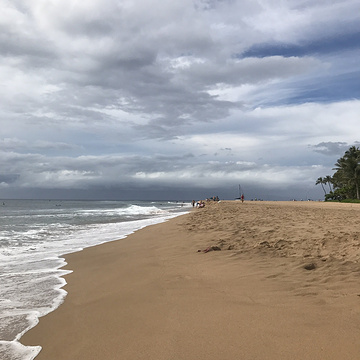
(331, 148)
(322, 46)
(8, 179)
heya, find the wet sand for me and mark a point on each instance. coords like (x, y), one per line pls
(284, 284)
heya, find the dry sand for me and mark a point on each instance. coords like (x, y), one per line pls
(153, 296)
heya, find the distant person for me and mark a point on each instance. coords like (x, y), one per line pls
(193, 203)
(201, 204)
(242, 198)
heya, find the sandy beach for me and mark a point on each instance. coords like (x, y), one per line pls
(281, 281)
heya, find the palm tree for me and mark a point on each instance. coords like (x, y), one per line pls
(348, 169)
(328, 180)
(321, 181)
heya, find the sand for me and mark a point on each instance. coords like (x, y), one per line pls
(285, 285)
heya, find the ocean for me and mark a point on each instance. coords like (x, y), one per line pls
(35, 234)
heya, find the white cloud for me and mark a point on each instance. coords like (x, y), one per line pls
(109, 93)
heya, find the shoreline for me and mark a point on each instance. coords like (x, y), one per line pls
(153, 296)
(31, 274)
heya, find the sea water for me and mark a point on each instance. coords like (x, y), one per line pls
(34, 234)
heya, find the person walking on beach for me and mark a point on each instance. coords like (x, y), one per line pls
(242, 198)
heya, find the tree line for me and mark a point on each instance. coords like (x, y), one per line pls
(345, 183)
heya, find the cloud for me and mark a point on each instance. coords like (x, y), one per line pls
(332, 148)
(202, 94)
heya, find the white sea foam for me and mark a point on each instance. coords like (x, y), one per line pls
(13, 350)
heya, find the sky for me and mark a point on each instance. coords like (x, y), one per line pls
(177, 100)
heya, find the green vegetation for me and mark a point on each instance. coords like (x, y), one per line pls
(350, 201)
(344, 185)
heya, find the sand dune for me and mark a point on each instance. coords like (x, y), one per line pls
(285, 285)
